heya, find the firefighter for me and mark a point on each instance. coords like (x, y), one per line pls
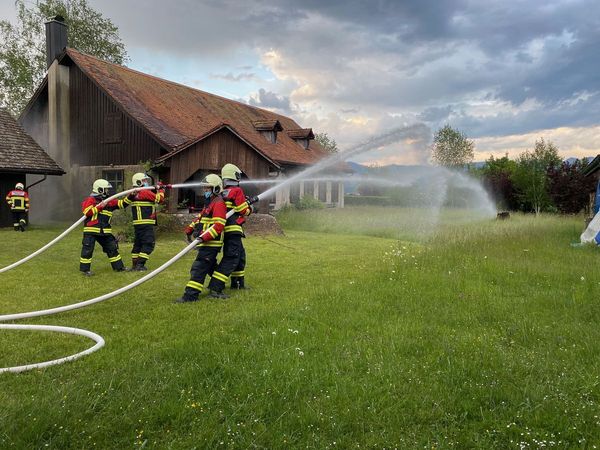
(233, 262)
(18, 200)
(208, 229)
(143, 209)
(97, 227)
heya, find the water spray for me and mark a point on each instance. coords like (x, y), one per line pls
(390, 137)
(81, 219)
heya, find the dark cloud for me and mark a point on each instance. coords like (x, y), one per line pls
(435, 113)
(270, 100)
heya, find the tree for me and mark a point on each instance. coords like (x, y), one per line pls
(23, 48)
(531, 175)
(497, 175)
(451, 148)
(326, 142)
(569, 188)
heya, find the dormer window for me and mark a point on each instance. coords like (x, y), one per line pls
(302, 136)
(268, 128)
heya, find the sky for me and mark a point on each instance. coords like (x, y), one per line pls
(504, 72)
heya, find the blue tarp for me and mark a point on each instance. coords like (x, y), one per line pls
(597, 201)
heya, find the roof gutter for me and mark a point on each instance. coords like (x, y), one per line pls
(37, 182)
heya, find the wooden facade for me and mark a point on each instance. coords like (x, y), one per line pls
(209, 155)
(101, 133)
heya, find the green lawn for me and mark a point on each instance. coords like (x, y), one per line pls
(477, 335)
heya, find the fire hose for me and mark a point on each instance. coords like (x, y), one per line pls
(98, 339)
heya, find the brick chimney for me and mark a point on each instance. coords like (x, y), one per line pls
(56, 38)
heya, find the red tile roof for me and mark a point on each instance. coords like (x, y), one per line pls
(19, 152)
(179, 116)
(267, 125)
(301, 133)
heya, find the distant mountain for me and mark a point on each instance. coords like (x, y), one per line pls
(571, 160)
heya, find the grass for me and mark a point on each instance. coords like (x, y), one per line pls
(479, 335)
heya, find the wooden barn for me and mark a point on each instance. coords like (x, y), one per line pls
(99, 119)
(20, 156)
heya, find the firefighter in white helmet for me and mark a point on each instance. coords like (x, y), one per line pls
(18, 201)
(96, 227)
(143, 210)
(207, 228)
(233, 263)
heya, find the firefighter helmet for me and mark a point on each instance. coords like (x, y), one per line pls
(139, 178)
(231, 172)
(19, 186)
(213, 181)
(101, 187)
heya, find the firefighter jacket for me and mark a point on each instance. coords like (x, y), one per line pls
(236, 200)
(210, 223)
(97, 218)
(18, 200)
(143, 206)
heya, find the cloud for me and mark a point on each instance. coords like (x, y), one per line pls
(270, 100)
(586, 139)
(352, 68)
(244, 76)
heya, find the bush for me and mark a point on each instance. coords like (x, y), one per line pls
(309, 202)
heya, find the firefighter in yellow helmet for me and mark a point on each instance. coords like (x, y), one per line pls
(96, 227)
(18, 200)
(143, 209)
(208, 229)
(233, 262)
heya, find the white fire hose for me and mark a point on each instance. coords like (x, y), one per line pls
(98, 339)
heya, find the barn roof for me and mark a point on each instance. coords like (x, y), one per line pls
(19, 152)
(178, 116)
(301, 133)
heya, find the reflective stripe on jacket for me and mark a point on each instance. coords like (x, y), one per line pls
(143, 206)
(98, 218)
(18, 200)
(236, 200)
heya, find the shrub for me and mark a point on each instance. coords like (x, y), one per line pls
(309, 202)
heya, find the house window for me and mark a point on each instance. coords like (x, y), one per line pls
(114, 177)
(112, 129)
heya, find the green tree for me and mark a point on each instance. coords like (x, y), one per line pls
(497, 176)
(23, 48)
(451, 148)
(531, 175)
(328, 143)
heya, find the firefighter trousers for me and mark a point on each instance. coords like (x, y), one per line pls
(205, 262)
(143, 243)
(231, 265)
(19, 220)
(109, 246)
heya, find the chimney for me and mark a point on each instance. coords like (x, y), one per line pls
(56, 38)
